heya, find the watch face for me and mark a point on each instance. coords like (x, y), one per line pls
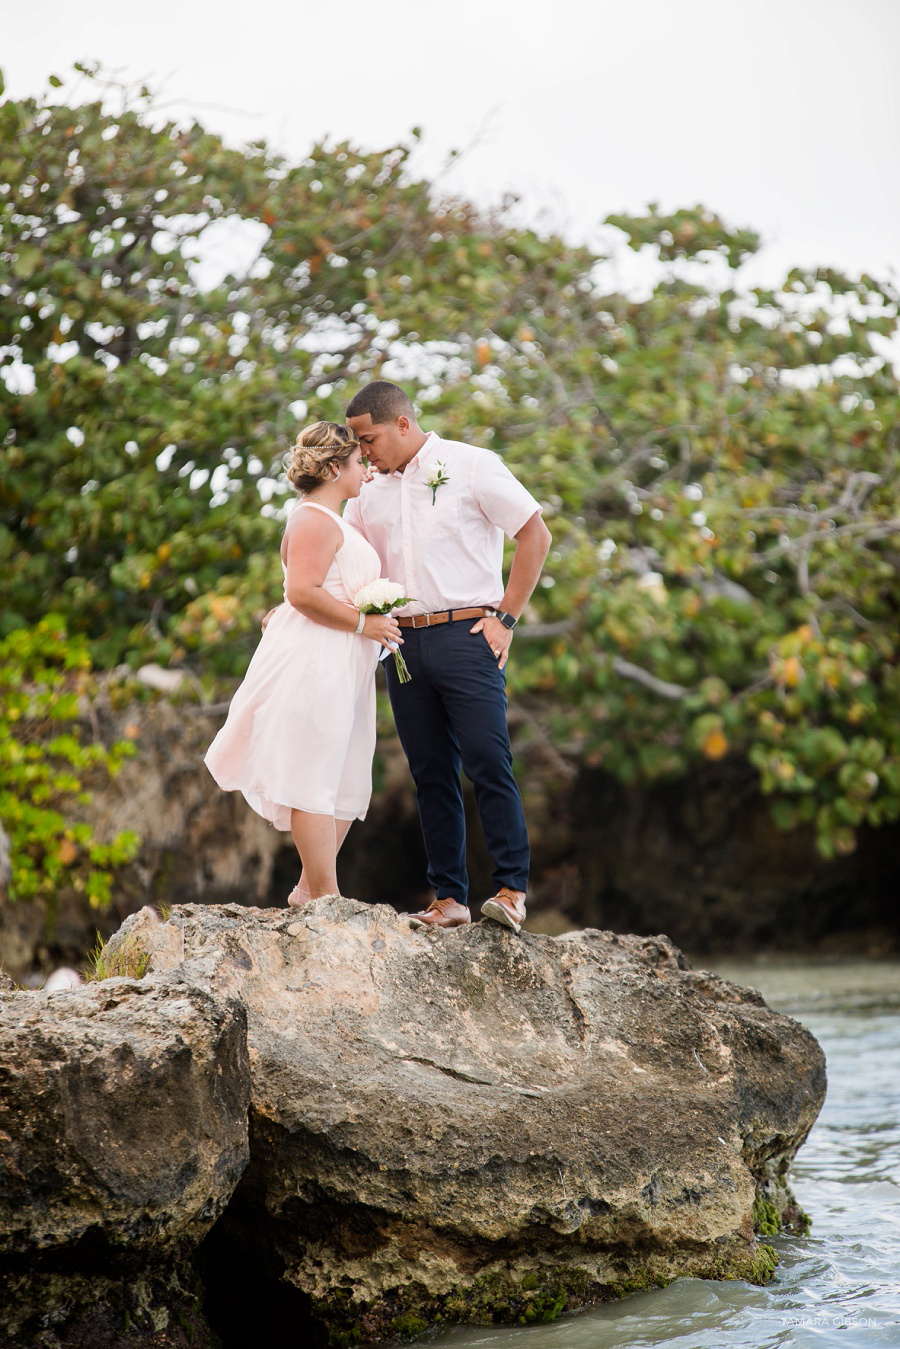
(507, 620)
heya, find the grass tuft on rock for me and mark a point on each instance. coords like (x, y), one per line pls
(127, 959)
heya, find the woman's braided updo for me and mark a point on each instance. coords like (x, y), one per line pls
(316, 448)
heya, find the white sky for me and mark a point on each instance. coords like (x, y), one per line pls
(780, 114)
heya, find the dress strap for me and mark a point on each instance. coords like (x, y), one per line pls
(319, 507)
(328, 511)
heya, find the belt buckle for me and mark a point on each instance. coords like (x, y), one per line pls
(428, 620)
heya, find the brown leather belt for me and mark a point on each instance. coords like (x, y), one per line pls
(445, 616)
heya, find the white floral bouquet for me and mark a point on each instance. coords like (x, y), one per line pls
(381, 597)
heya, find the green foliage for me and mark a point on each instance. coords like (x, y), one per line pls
(44, 762)
(717, 463)
(125, 959)
(744, 516)
(133, 476)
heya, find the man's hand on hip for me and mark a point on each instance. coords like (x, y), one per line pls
(498, 637)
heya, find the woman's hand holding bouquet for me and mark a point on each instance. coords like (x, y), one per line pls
(382, 597)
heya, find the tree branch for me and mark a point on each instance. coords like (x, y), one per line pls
(532, 630)
(865, 528)
(626, 670)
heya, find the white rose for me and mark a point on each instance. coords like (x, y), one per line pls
(377, 594)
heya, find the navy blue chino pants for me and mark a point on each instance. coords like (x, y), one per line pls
(452, 715)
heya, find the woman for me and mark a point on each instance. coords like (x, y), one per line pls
(300, 733)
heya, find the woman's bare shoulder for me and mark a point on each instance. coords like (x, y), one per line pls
(313, 529)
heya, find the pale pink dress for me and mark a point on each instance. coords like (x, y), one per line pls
(300, 731)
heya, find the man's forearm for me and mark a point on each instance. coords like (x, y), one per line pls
(532, 545)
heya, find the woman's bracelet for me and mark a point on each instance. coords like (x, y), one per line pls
(361, 624)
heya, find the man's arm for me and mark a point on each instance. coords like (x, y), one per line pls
(532, 546)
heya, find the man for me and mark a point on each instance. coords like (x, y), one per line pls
(436, 513)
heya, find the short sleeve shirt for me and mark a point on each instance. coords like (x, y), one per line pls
(445, 547)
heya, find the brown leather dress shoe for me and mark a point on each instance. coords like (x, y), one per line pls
(506, 907)
(441, 913)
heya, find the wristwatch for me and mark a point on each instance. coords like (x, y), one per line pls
(506, 619)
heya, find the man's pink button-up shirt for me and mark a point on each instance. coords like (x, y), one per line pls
(447, 552)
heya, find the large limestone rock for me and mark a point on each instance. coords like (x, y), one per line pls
(468, 1125)
(123, 1132)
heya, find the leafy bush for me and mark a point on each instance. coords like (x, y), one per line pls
(44, 762)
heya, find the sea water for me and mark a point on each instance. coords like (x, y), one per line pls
(839, 1286)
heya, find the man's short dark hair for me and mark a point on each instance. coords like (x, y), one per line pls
(383, 401)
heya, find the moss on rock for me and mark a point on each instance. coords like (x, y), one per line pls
(775, 1210)
(537, 1297)
(765, 1262)
(408, 1326)
(62, 1309)
(766, 1218)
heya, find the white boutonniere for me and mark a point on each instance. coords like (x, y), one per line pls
(436, 479)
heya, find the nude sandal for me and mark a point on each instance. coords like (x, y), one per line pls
(297, 898)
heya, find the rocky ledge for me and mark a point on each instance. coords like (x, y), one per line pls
(378, 1130)
(470, 1125)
